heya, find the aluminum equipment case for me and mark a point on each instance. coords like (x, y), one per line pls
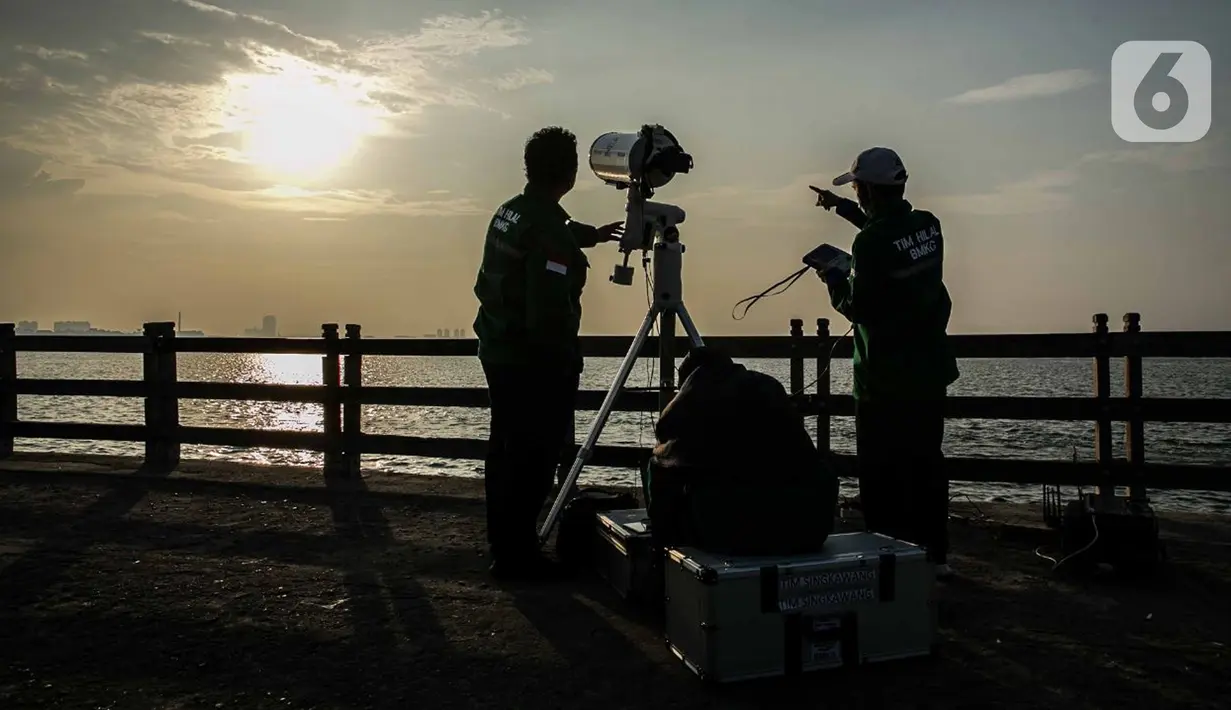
(863, 598)
(626, 556)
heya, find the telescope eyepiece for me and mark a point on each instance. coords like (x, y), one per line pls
(671, 161)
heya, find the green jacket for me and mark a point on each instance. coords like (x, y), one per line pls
(530, 282)
(896, 298)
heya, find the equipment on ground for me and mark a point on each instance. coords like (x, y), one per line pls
(864, 598)
(639, 164)
(1113, 525)
(628, 559)
(578, 542)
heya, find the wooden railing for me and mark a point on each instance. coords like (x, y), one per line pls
(342, 394)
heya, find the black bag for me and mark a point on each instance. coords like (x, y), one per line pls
(578, 537)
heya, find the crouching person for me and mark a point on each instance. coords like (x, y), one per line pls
(734, 470)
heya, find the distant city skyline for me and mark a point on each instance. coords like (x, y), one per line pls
(267, 329)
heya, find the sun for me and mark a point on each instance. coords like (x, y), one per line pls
(299, 121)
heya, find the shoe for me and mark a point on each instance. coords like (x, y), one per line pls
(533, 568)
(944, 571)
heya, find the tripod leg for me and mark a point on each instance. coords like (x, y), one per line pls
(691, 329)
(596, 429)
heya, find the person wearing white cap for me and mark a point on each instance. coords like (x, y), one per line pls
(895, 298)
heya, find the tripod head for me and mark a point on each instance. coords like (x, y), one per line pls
(647, 225)
(641, 162)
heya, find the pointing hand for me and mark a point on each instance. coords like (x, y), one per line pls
(825, 198)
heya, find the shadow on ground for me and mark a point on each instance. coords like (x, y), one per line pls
(130, 590)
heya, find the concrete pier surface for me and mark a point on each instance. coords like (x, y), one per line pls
(222, 586)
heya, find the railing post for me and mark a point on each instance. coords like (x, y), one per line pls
(1103, 454)
(169, 403)
(352, 416)
(1134, 427)
(8, 392)
(824, 348)
(161, 405)
(797, 357)
(332, 403)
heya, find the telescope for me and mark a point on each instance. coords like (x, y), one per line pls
(641, 162)
(647, 160)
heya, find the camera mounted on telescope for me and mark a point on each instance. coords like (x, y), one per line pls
(641, 162)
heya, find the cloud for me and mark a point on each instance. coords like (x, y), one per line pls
(21, 175)
(1049, 190)
(163, 90)
(270, 207)
(451, 35)
(522, 78)
(1043, 191)
(333, 203)
(409, 67)
(1028, 86)
(1168, 157)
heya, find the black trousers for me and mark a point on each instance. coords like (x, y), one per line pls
(531, 415)
(903, 486)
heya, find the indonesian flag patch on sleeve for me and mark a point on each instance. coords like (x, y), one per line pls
(557, 265)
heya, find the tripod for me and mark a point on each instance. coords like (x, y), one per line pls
(659, 222)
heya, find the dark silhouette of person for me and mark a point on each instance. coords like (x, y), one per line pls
(894, 295)
(529, 289)
(735, 470)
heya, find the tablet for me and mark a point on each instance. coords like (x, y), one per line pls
(827, 256)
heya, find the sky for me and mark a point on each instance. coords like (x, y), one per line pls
(332, 161)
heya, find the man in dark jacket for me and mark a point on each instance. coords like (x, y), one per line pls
(735, 470)
(895, 297)
(529, 290)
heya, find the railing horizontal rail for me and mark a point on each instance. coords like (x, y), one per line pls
(247, 346)
(476, 397)
(1180, 344)
(80, 344)
(1176, 409)
(1116, 409)
(957, 407)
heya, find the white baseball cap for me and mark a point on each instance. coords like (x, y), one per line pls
(876, 166)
